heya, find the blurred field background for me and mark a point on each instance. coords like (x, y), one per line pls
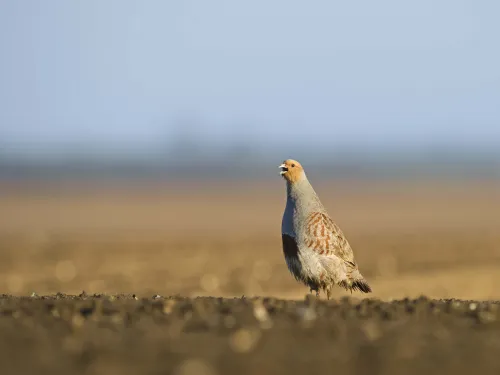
(139, 144)
(209, 237)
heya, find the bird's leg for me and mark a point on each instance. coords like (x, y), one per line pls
(314, 290)
(328, 292)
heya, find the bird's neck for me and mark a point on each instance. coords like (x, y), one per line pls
(301, 193)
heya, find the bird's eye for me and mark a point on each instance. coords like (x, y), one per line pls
(293, 165)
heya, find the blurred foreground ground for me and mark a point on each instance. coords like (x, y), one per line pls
(437, 238)
(122, 335)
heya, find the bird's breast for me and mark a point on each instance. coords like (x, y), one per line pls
(287, 223)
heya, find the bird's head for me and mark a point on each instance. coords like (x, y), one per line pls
(292, 171)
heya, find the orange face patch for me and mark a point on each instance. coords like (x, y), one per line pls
(292, 170)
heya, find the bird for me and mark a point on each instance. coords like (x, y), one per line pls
(316, 251)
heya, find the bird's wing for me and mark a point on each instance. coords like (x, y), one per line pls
(324, 237)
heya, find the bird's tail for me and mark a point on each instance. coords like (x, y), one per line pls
(360, 285)
(356, 281)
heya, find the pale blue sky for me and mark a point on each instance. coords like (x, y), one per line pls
(91, 72)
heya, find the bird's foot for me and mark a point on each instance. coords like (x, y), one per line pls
(314, 290)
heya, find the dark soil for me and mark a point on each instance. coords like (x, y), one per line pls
(124, 334)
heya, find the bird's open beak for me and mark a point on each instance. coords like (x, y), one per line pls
(283, 168)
